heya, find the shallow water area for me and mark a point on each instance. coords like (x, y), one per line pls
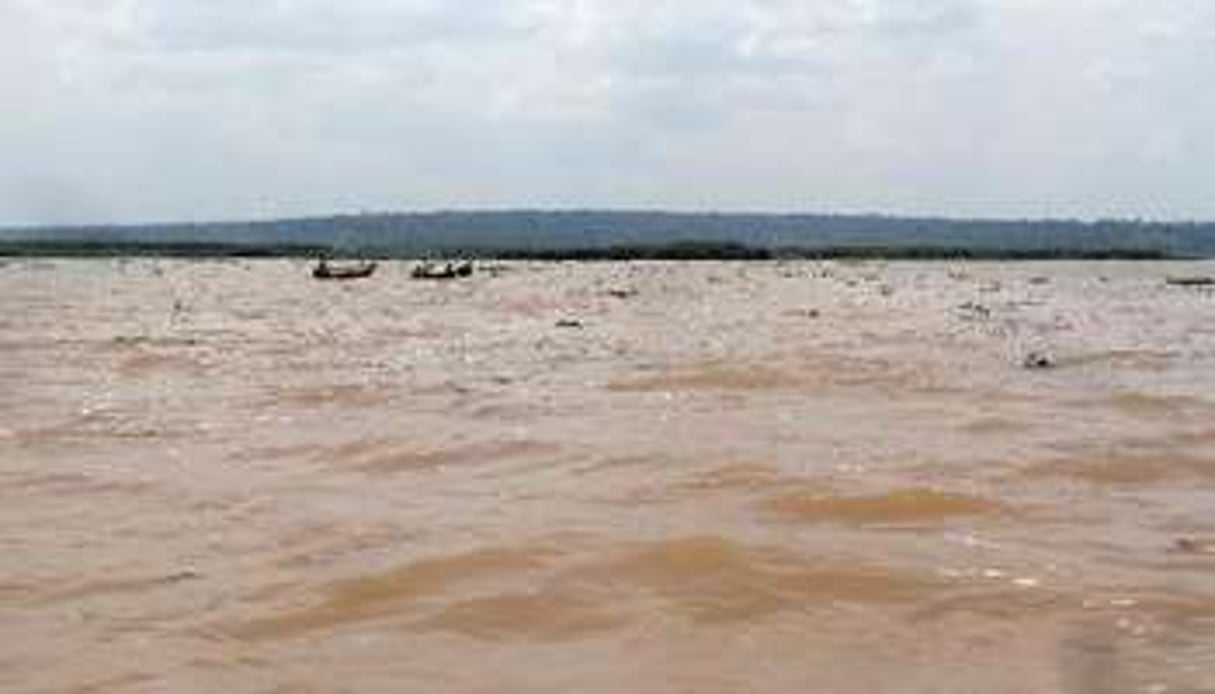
(654, 477)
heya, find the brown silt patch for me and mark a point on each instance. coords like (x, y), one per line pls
(899, 507)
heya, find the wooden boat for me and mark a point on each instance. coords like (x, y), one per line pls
(447, 271)
(1191, 281)
(353, 271)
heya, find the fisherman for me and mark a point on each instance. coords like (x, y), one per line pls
(322, 267)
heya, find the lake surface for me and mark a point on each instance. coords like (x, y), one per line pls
(651, 477)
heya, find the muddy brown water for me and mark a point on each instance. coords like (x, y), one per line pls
(650, 477)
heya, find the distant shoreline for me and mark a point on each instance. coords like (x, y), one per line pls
(616, 235)
(686, 251)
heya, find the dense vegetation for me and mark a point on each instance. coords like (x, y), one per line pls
(602, 234)
(672, 251)
(732, 251)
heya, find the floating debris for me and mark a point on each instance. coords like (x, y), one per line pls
(183, 576)
(1190, 545)
(972, 309)
(811, 313)
(569, 323)
(1037, 361)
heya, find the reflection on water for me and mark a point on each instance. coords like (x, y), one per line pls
(732, 478)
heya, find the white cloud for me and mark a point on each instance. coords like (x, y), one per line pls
(138, 109)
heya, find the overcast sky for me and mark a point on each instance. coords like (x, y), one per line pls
(128, 110)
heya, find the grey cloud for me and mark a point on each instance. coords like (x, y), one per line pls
(185, 109)
(352, 26)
